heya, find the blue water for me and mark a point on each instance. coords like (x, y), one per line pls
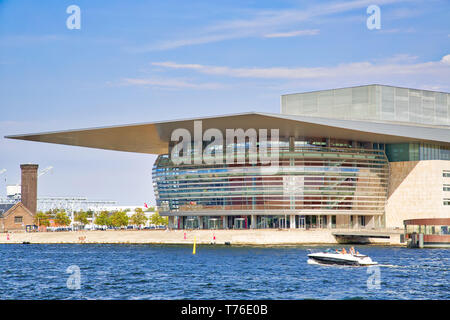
(216, 272)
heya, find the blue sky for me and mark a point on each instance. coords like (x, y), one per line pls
(143, 61)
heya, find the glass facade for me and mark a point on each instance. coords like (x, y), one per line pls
(429, 229)
(416, 152)
(315, 177)
(372, 102)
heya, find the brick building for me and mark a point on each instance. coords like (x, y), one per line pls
(18, 216)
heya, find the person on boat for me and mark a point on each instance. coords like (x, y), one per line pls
(344, 251)
(352, 250)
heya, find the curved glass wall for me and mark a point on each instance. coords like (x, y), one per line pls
(311, 179)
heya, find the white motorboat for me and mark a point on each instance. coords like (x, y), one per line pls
(351, 258)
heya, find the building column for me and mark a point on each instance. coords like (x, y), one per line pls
(356, 222)
(292, 221)
(182, 221)
(200, 222)
(253, 224)
(225, 222)
(171, 223)
(329, 222)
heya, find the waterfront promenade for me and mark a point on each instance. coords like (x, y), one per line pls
(233, 237)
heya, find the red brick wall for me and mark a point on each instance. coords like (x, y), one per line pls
(8, 223)
(29, 186)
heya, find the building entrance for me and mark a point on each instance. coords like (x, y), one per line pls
(239, 223)
(302, 222)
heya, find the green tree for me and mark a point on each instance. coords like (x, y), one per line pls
(42, 219)
(61, 218)
(90, 213)
(52, 213)
(103, 219)
(119, 219)
(81, 217)
(136, 210)
(138, 218)
(158, 220)
(164, 221)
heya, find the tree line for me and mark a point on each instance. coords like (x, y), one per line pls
(104, 218)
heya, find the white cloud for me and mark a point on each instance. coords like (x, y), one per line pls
(260, 24)
(446, 59)
(356, 69)
(174, 83)
(399, 58)
(297, 33)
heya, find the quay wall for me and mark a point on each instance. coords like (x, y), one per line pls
(233, 237)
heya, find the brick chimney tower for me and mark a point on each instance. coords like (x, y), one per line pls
(29, 186)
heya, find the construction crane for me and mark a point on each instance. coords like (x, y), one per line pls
(2, 172)
(44, 171)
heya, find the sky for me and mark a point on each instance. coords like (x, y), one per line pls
(143, 61)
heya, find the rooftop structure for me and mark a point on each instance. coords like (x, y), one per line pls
(372, 103)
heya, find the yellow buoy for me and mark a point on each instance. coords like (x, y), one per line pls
(193, 250)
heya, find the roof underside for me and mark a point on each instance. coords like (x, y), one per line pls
(153, 138)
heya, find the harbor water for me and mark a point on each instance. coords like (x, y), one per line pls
(94, 271)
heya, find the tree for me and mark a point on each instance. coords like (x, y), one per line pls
(158, 220)
(103, 219)
(52, 213)
(119, 219)
(42, 219)
(138, 218)
(136, 210)
(81, 217)
(61, 218)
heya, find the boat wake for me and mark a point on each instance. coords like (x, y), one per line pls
(311, 261)
(389, 266)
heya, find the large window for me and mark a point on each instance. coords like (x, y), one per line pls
(416, 151)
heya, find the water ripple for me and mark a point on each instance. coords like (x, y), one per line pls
(215, 272)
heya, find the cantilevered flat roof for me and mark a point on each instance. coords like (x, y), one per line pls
(154, 137)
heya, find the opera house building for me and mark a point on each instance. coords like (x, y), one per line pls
(361, 157)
